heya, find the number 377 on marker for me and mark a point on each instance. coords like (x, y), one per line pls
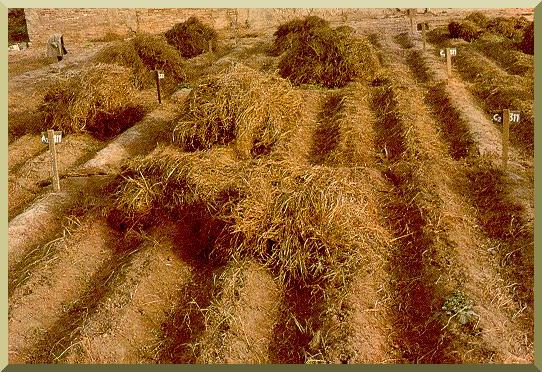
(514, 117)
(453, 52)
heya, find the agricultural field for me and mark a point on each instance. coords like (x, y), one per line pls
(319, 192)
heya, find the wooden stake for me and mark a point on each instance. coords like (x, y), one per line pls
(54, 168)
(158, 86)
(236, 18)
(423, 35)
(505, 136)
(448, 63)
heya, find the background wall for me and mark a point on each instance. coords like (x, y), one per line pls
(80, 24)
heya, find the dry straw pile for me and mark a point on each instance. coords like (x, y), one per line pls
(168, 180)
(466, 30)
(305, 223)
(98, 99)
(242, 106)
(192, 37)
(476, 24)
(314, 53)
(143, 54)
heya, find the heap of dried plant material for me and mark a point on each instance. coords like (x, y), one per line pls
(509, 27)
(478, 18)
(466, 30)
(192, 37)
(98, 99)
(315, 53)
(167, 180)
(286, 33)
(306, 223)
(527, 42)
(242, 106)
(145, 53)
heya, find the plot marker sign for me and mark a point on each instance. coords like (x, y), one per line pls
(52, 137)
(448, 53)
(159, 76)
(513, 117)
(506, 117)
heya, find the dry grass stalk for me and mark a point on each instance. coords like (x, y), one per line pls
(242, 106)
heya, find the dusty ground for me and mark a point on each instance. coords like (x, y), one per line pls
(455, 223)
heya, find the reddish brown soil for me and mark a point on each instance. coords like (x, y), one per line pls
(449, 217)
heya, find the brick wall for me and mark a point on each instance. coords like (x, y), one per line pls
(82, 24)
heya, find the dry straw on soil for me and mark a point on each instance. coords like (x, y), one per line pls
(305, 223)
(143, 54)
(498, 92)
(466, 30)
(168, 180)
(192, 37)
(314, 53)
(98, 99)
(240, 105)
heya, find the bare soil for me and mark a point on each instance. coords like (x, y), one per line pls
(454, 226)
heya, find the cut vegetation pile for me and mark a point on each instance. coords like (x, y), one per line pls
(305, 223)
(168, 181)
(191, 37)
(466, 30)
(97, 99)
(477, 24)
(308, 224)
(143, 54)
(240, 105)
(314, 53)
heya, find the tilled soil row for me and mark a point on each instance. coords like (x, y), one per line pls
(486, 136)
(26, 183)
(125, 326)
(460, 235)
(346, 324)
(40, 222)
(55, 288)
(504, 209)
(354, 320)
(24, 149)
(492, 89)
